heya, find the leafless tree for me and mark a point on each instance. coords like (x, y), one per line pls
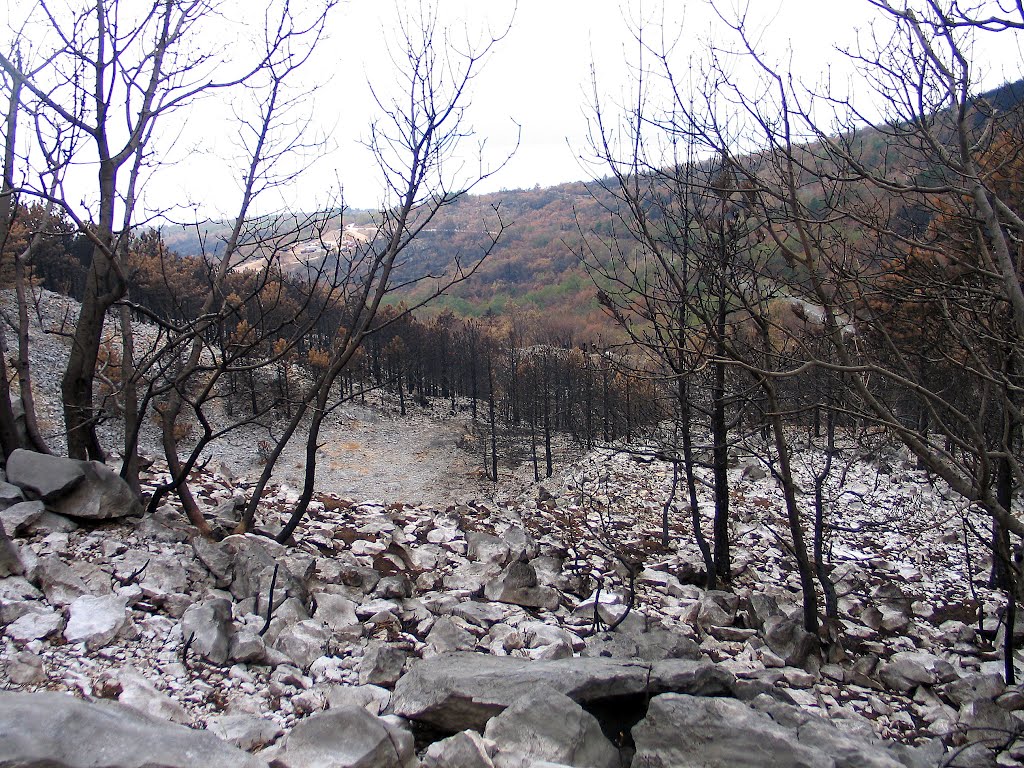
(112, 72)
(415, 144)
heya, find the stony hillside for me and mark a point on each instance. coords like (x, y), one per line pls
(457, 623)
(456, 635)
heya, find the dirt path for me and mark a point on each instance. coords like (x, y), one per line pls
(367, 453)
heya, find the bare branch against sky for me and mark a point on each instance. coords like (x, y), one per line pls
(538, 81)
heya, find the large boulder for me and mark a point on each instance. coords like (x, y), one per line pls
(907, 669)
(545, 725)
(84, 489)
(347, 737)
(59, 731)
(43, 476)
(457, 691)
(103, 495)
(694, 732)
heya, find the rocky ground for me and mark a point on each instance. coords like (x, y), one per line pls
(457, 628)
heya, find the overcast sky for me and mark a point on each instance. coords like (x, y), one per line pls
(536, 84)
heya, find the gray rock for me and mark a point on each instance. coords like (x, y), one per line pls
(372, 698)
(339, 614)
(50, 522)
(103, 495)
(18, 519)
(59, 581)
(95, 621)
(252, 566)
(788, 640)
(655, 645)
(43, 476)
(717, 609)
(986, 723)
(545, 725)
(34, 625)
(687, 732)
(247, 647)
(485, 548)
(382, 664)
(480, 614)
(10, 560)
(690, 732)
(972, 687)
(25, 668)
(206, 628)
(59, 731)
(465, 749)
(520, 544)
(244, 731)
(447, 636)
(140, 694)
(518, 585)
(470, 577)
(217, 560)
(907, 669)
(348, 737)
(394, 587)
(10, 494)
(464, 690)
(304, 641)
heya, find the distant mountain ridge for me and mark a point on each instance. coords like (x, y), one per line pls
(536, 263)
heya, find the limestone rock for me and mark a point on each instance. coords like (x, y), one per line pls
(717, 609)
(44, 476)
(908, 669)
(25, 668)
(10, 560)
(485, 548)
(304, 642)
(372, 698)
(34, 625)
(972, 687)
(654, 645)
(381, 664)
(691, 732)
(465, 749)
(447, 636)
(986, 723)
(61, 731)
(140, 694)
(244, 731)
(206, 627)
(253, 559)
(95, 621)
(59, 581)
(518, 585)
(338, 613)
(18, 518)
(102, 495)
(545, 725)
(788, 640)
(464, 690)
(348, 737)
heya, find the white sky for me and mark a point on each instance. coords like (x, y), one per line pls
(538, 77)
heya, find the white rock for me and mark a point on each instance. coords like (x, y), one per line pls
(95, 621)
